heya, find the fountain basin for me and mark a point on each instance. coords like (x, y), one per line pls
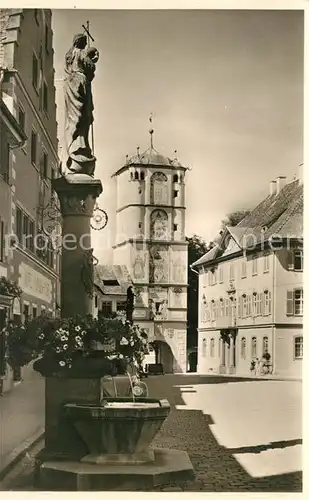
(119, 430)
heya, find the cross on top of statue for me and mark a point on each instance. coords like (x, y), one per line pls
(87, 31)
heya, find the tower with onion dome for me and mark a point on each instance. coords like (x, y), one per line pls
(150, 241)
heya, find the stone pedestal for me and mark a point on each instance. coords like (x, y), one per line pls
(77, 194)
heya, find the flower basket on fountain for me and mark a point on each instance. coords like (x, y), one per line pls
(79, 347)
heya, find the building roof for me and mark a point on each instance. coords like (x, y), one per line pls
(151, 157)
(112, 279)
(278, 215)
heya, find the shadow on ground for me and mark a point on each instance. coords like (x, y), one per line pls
(215, 467)
(216, 470)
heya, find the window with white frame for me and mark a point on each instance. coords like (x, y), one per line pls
(232, 271)
(244, 268)
(296, 260)
(204, 348)
(249, 306)
(213, 310)
(203, 309)
(295, 302)
(259, 299)
(253, 347)
(254, 265)
(266, 263)
(214, 277)
(298, 347)
(244, 306)
(212, 347)
(227, 306)
(265, 344)
(254, 304)
(266, 303)
(221, 274)
(243, 348)
(221, 308)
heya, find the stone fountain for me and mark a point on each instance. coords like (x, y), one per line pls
(97, 433)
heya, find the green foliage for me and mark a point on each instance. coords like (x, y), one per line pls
(197, 247)
(64, 339)
(8, 287)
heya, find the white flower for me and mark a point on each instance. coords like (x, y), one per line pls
(77, 328)
(61, 363)
(78, 338)
(64, 338)
(42, 336)
(131, 343)
(60, 330)
(58, 349)
(124, 341)
(65, 347)
(120, 356)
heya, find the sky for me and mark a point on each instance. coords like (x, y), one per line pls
(225, 89)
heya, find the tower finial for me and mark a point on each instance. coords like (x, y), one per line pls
(151, 131)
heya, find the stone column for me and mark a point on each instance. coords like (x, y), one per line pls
(77, 194)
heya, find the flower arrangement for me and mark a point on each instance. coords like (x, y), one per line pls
(62, 342)
(8, 287)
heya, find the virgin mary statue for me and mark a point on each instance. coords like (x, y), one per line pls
(79, 69)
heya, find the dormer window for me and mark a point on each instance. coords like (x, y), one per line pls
(175, 178)
(295, 260)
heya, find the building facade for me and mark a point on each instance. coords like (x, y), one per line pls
(150, 242)
(111, 283)
(251, 290)
(26, 60)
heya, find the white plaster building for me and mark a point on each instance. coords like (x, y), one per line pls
(150, 241)
(251, 289)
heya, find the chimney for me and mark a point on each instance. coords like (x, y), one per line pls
(272, 187)
(281, 181)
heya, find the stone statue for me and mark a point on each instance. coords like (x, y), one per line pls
(130, 304)
(80, 63)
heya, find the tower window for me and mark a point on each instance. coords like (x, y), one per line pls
(34, 139)
(175, 227)
(131, 176)
(142, 176)
(140, 225)
(175, 193)
(35, 71)
(136, 176)
(175, 178)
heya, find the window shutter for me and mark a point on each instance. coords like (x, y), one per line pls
(290, 261)
(289, 303)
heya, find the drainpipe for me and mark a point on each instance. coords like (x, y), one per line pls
(273, 313)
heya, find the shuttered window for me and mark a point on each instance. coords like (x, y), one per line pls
(266, 303)
(294, 302)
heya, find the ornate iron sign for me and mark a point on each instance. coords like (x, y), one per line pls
(99, 219)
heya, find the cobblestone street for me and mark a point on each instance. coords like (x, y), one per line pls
(235, 431)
